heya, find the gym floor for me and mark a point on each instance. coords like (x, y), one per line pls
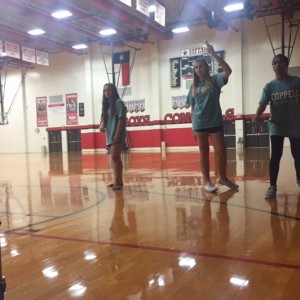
(65, 235)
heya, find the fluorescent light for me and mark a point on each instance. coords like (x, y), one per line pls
(79, 46)
(152, 8)
(234, 7)
(36, 31)
(180, 29)
(61, 14)
(2, 54)
(109, 31)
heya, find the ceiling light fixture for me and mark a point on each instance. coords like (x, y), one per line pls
(180, 29)
(106, 32)
(79, 46)
(61, 14)
(152, 8)
(234, 7)
(36, 31)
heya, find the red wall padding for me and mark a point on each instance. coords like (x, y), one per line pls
(179, 137)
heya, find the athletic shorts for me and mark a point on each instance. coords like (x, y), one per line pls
(217, 129)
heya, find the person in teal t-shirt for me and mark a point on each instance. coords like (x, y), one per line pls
(207, 119)
(283, 95)
(113, 121)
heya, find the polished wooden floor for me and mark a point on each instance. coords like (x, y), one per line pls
(65, 235)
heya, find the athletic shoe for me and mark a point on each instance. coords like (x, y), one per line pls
(111, 185)
(209, 187)
(117, 187)
(298, 182)
(228, 183)
(271, 192)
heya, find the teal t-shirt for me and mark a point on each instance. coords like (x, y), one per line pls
(207, 111)
(284, 99)
(112, 123)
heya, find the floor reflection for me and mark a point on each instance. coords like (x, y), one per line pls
(65, 234)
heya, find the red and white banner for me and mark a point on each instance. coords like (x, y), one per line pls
(41, 111)
(123, 58)
(71, 109)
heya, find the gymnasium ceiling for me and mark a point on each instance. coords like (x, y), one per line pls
(90, 16)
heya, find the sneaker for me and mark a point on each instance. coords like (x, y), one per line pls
(298, 182)
(117, 186)
(228, 183)
(112, 185)
(209, 187)
(271, 192)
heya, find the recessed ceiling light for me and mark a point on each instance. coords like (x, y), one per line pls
(234, 7)
(36, 31)
(79, 46)
(61, 14)
(180, 29)
(109, 31)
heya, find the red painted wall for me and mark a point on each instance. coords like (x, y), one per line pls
(145, 138)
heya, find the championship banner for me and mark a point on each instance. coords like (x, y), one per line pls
(71, 109)
(41, 111)
(12, 50)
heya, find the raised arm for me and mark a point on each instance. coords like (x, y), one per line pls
(226, 68)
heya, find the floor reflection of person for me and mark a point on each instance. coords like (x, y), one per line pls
(215, 230)
(296, 229)
(223, 218)
(286, 237)
(118, 227)
(123, 237)
(279, 238)
(119, 230)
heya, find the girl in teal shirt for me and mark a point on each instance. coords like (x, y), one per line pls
(283, 95)
(207, 119)
(113, 121)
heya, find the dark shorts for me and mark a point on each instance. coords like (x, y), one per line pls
(217, 129)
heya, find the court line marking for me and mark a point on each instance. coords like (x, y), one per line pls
(168, 250)
(103, 197)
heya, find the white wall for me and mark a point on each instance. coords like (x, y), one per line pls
(225, 40)
(248, 52)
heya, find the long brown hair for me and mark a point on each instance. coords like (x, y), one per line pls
(196, 78)
(108, 104)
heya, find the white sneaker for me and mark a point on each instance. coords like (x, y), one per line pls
(232, 185)
(209, 187)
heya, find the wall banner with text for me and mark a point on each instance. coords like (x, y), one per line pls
(71, 109)
(41, 111)
(175, 72)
